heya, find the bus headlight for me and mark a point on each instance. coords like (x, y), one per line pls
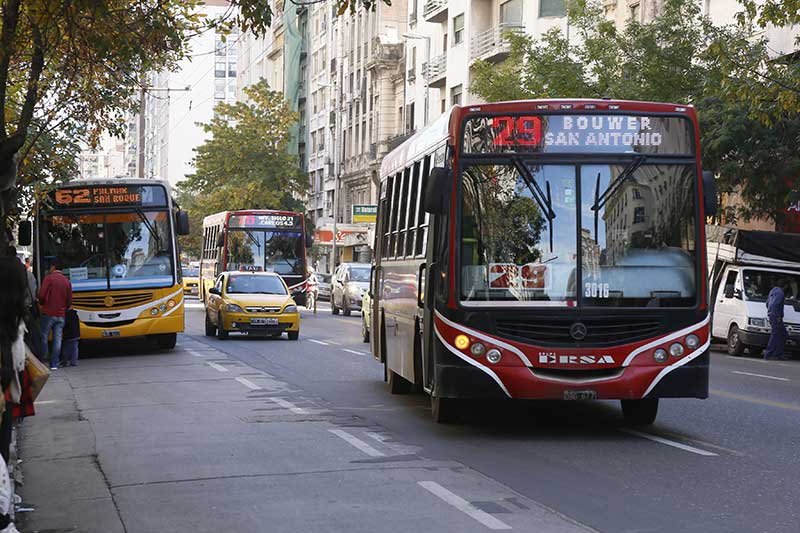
(462, 342)
(233, 308)
(676, 349)
(478, 349)
(660, 355)
(494, 356)
(163, 307)
(171, 303)
(692, 342)
(290, 309)
(154, 311)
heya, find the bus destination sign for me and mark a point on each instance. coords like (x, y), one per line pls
(270, 221)
(108, 196)
(578, 134)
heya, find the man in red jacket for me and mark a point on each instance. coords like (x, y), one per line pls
(55, 297)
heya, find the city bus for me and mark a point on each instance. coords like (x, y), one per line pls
(256, 240)
(116, 240)
(548, 249)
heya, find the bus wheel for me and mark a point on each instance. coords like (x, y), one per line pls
(397, 383)
(444, 410)
(640, 412)
(211, 329)
(166, 341)
(735, 345)
(221, 333)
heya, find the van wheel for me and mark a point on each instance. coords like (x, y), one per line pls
(211, 329)
(640, 412)
(397, 383)
(444, 410)
(735, 345)
(334, 309)
(346, 307)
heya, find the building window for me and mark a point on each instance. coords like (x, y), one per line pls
(638, 215)
(444, 105)
(219, 47)
(455, 95)
(511, 12)
(219, 88)
(637, 194)
(458, 29)
(552, 8)
(321, 138)
(410, 117)
(219, 68)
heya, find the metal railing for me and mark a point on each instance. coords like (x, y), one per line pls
(435, 69)
(492, 42)
(433, 7)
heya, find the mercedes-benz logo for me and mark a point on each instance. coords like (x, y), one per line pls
(578, 331)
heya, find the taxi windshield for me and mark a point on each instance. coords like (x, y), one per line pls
(254, 284)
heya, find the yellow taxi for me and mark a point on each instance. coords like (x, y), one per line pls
(253, 303)
(191, 279)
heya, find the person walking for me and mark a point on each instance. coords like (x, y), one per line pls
(55, 297)
(777, 337)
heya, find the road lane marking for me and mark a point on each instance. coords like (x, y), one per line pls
(215, 366)
(249, 384)
(674, 444)
(319, 342)
(290, 406)
(752, 399)
(463, 505)
(758, 375)
(358, 443)
(195, 305)
(192, 352)
(353, 351)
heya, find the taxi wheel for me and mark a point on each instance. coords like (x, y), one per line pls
(346, 307)
(293, 335)
(221, 333)
(211, 329)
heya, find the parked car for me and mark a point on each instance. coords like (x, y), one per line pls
(366, 316)
(323, 286)
(350, 282)
(251, 302)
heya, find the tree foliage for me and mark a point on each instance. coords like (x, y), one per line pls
(245, 163)
(748, 102)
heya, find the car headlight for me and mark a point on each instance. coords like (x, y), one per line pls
(233, 308)
(290, 309)
(757, 322)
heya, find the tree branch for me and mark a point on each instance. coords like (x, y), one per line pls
(10, 23)
(31, 93)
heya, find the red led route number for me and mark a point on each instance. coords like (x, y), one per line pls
(517, 131)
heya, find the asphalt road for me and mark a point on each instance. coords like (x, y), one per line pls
(273, 435)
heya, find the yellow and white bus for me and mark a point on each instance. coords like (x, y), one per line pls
(116, 240)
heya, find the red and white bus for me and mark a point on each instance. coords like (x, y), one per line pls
(256, 240)
(548, 249)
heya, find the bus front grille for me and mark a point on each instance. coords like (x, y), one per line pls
(599, 330)
(116, 300)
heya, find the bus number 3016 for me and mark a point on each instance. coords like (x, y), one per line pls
(596, 290)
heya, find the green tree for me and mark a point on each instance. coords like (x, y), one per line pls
(747, 102)
(245, 163)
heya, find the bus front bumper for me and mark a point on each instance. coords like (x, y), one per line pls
(140, 327)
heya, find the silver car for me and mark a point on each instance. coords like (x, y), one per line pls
(348, 285)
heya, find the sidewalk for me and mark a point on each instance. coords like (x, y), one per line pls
(61, 477)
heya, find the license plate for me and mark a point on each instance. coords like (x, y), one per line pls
(580, 395)
(110, 333)
(264, 321)
(194, 290)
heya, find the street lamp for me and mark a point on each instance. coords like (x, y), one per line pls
(427, 62)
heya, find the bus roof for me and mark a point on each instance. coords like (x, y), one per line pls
(111, 182)
(440, 130)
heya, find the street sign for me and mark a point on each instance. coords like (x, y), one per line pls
(365, 213)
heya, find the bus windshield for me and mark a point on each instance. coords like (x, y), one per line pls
(116, 250)
(254, 284)
(279, 251)
(520, 240)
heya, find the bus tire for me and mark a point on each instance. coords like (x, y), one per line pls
(293, 335)
(346, 307)
(735, 345)
(167, 341)
(640, 412)
(397, 383)
(211, 329)
(221, 333)
(444, 410)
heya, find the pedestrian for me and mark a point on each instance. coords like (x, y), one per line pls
(28, 264)
(777, 336)
(55, 297)
(12, 340)
(72, 334)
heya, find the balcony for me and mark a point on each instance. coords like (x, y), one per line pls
(435, 72)
(491, 44)
(435, 11)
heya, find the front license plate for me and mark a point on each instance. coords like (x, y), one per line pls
(264, 321)
(580, 395)
(110, 333)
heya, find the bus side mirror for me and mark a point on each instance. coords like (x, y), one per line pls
(183, 223)
(309, 240)
(436, 191)
(709, 193)
(25, 233)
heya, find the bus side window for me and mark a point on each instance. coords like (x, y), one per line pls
(386, 221)
(422, 216)
(411, 231)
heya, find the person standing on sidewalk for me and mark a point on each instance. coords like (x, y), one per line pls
(72, 336)
(55, 297)
(12, 333)
(777, 337)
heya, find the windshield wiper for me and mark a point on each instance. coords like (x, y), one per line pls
(545, 201)
(151, 229)
(600, 200)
